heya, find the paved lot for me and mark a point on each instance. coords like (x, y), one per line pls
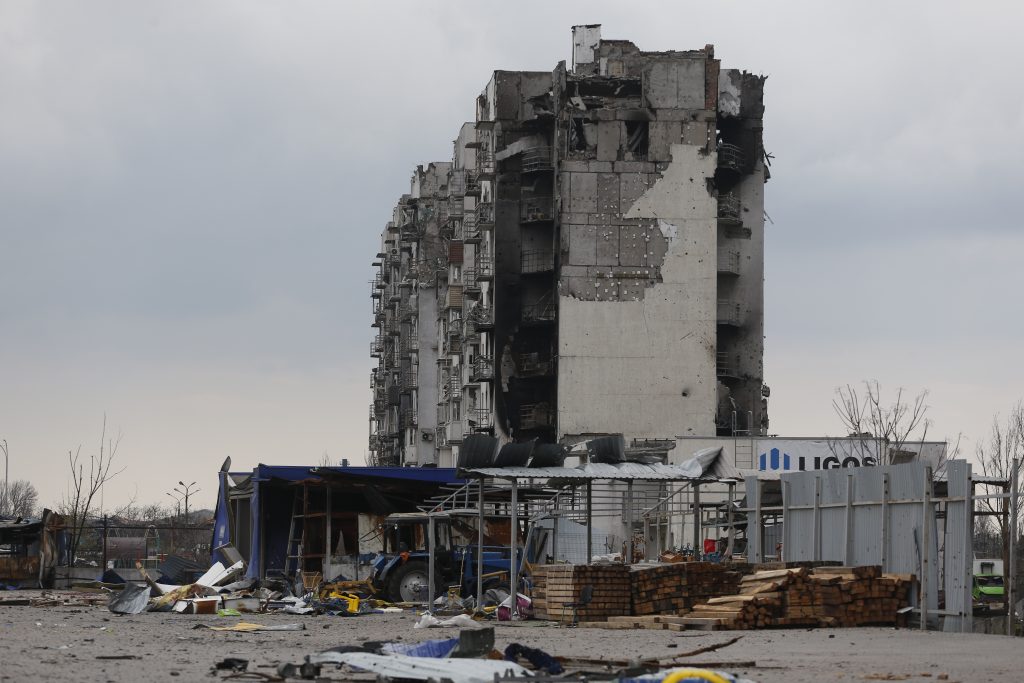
(70, 643)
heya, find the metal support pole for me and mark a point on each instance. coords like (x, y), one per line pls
(926, 505)
(431, 545)
(729, 547)
(590, 532)
(514, 545)
(787, 499)
(480, 548)
(848, 535)
(328, 567)
(629, 523)
(885, 522)
(104, 543)
(698, 548)
(1009, 581)
(554, 531)
(816, 552)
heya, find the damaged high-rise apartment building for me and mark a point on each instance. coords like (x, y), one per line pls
(589, 262)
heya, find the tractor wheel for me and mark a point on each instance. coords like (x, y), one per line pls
(409, 583)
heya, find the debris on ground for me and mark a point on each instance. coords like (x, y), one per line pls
(245, 626)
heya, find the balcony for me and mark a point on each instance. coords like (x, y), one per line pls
(724, 367)
(480, 419)
(377, 347)
(484, 266)
(537, 160)
(729, 209)
(485, 164)
(731, 158)
(536, 208)
(453, 432)
(729, 313)
(410, 344)
(407, 419)
(472, 184)
(456, 207)
(539, 312)
(537, 261)
(411, 379)
(535, 416)
(481, 318)
(471, 283)
(470, 231)
(482, 370)
(485, 215)
(535, 365)
(729, 263)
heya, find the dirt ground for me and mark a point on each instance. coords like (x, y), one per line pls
(73, 643)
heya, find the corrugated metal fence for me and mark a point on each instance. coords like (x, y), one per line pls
(883, 515)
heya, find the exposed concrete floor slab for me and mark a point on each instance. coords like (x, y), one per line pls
(63, 643)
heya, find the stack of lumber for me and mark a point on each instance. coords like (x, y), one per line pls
(556, 585)
(654, 622)
(674, 588)
(825, 596)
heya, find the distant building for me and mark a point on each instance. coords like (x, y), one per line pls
(589, 262)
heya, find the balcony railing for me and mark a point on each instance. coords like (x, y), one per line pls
(536, 208)
(485, 215)
(483, 370)
(410, 344)
(408, 419)
(411, 378)
(539, 312)
(480, 419)
(724, 367)
(534, 415)
(729, 262)
(731, 157)
(537, 159)
(729, 207)
(472, 184)
(470, 231)
(729, 312)
(377, 347)
(485, 163)
(535, 365)
(537, 261)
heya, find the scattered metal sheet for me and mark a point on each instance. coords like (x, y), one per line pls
(132, 599)
(423, 668)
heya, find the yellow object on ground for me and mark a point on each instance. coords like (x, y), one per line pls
(689, 674)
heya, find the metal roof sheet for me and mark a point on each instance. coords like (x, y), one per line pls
(622, 471)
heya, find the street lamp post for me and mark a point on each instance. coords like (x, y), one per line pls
(187, 492)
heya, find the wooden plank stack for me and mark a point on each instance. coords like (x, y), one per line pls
(825, 596)
(676, 587)
(555, 585)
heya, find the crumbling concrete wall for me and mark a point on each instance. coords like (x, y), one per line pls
(636, 350)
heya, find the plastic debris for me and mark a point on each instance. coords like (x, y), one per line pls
(246, 626)
(460, 620)
(540, 659)
(232, 664)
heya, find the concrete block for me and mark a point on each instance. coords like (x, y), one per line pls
(631, 187)
(600, 166)
(675, 84)
(608, 193)
(607, 246)
(661, 136)
(697, 133)
(633, 246)
(634, 167)
(575, 165)
(583, 245)
(609, 138)
(583, 193)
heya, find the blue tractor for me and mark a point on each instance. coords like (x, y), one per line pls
(401, 573)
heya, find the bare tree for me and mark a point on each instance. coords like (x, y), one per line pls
(325, 460)
(86, 484)
(20, 499)
(884, 428)
(3, 487)
(995, 459)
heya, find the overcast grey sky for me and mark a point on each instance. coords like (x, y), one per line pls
(191, 195)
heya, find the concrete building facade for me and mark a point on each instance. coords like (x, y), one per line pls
(589, 262)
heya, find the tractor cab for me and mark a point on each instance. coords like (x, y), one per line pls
(402, 571)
